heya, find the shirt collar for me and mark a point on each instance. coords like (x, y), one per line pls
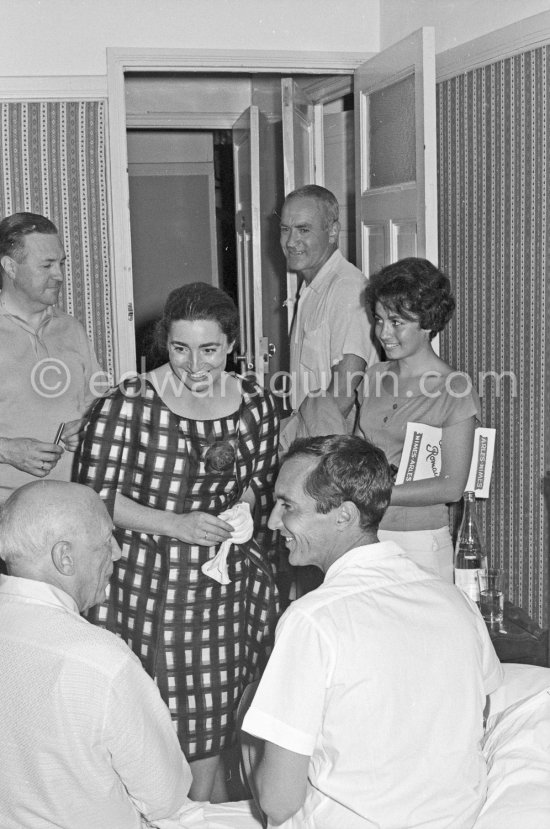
(323, 276)
(365, 554)
(36, 591)
(49, 312)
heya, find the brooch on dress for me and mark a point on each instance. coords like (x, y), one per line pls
(220, 456)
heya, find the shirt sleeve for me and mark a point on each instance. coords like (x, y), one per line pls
(144, 748)
(464, 400)
(287, 709)
(259, 439)
(95, 379)
(350, 329)
(99, 463)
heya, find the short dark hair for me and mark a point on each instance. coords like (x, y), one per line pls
(14, 228)
(198, 301)
(349, 469)
(416, 290)
(325, 197)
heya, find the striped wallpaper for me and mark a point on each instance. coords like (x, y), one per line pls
(493, 161)
(54, 161)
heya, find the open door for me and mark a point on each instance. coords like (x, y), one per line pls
(302, 137)
(396, 155)
(302, 154)
(253, 355)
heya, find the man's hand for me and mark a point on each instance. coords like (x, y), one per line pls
(72, 434)
(30, 455)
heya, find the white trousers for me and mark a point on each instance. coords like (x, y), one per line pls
(431, 549)
(195, 815)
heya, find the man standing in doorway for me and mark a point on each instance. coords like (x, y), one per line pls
(331, 341)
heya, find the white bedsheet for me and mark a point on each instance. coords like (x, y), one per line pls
(516, 746)
(238, 815)
(517, 749)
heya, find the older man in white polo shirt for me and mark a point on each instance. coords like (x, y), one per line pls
(331, 341)
(87, 742)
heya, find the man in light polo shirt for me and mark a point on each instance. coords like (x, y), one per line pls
(371, 706)
(50, 374)
(331, 341)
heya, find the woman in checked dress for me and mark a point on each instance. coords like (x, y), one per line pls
(169, 452)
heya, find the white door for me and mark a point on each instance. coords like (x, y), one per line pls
(302, 137)
(396, 155)
(302, 154)
(246, 160)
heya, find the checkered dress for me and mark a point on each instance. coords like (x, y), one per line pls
(201, 641)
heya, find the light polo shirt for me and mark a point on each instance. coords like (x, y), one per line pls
(47, 378)
(388, 405)
(87, 742)
(380, 676)
(330, 321)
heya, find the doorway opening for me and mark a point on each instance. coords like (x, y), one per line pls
(185, 170)
(182, 221)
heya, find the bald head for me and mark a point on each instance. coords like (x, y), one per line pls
(38, 512)
(56, 532)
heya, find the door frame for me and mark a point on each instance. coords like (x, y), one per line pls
(123, 61)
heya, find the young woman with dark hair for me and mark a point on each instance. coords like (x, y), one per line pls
(411, 302)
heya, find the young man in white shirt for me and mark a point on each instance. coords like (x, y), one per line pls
(371, 705)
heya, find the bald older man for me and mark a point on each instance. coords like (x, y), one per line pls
(87, 742)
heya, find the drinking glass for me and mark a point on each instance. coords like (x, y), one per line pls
(491, 595)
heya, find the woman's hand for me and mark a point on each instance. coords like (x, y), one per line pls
(192, 527)
(200, 528)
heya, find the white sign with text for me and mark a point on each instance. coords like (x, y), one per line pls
(421, 457)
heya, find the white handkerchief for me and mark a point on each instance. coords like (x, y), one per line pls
(241, 520)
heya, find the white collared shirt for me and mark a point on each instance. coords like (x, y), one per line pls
(87, 742)
(380, 676)
(330, 321)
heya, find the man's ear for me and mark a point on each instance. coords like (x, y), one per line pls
(8, 264)
(62, 558)
(334, 232)
(347, 514)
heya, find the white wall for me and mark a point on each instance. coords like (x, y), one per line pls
(69, 37)
(455, 21)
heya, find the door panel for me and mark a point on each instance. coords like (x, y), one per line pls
(298, 112)
(298, 136)
(396, 160)
(246, 161)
